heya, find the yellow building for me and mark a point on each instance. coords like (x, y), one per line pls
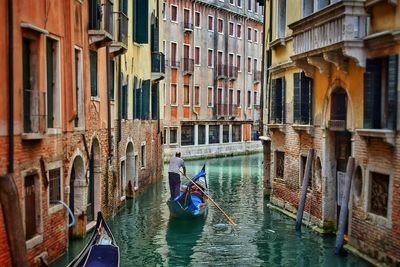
(331, 85)
(138, 70)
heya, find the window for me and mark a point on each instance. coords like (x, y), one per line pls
(379, 194)
(255, 6)
(239, 3)
(164, 11)
(279, 164)
(302, 167)
(79, 120)
(32, 205)
(124, 106)
(112, 74)
(249, 5)
(197, 56)
(308, 7)
(165, 136)
(225, 134)
(173, 94)
(173, 134)
(174, 13)
(231, 29)
(232, 2)
(248, 99)
(138, 101)
(174, 53)
(197, 19)
(210, 96)
(255, 65)
(239, 31)
(143, 155)
(249, 34)
(238, 102)
(52, 83)
(201, 134)
(186, 95)
(210, 58)
(238, 63)
(249, 64)
(123, 178)
(186, 17)
(54, 186)
(93, 73)
(236, 133)
(380, 93)
(302, 98)
(213, 134)
(278, 100)
(255, 101)
(281, 30)
(210, 26)
(220, 26)
(165, 94)
(187, 135)
(196, 95)
(155, 101)
(142, 101)
(255, 36)
(140, 21)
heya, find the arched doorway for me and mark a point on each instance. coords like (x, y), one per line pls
(94, 194)
(130, 170)
(76, 182)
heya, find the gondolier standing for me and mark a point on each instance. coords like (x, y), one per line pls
(174, 176)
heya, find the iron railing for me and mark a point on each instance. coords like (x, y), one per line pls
(101, 16)
(34, 121)
(226, 109)
(187, 26)
(188, 65)
(173, 63)
(221, 70)
(257, 76)
(122, 27)
(232, 72)
(157, 62)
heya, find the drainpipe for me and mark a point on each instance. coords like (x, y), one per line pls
(262, 76)
(269, 59)
(108, 106)
(245, 71)
(119, 106)
(193, 46)
(10, 88)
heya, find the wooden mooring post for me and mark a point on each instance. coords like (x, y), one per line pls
(344, 207)
(304, 186)
(13, 221)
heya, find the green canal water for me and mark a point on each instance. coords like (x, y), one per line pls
(147, 236)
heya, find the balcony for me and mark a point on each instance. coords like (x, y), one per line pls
(120, 44)
(257, 76)
(188, 65)
(187, 27)
(337, 125)
(101, 28)
(232, 72)
(227, 110)
(157, 66)
(331, 35)
(173, 63)
(221, 71)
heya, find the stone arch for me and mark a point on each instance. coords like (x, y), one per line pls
(94, 186)
(318, 174)
(338, 85)
(130, 169)
(357, 186)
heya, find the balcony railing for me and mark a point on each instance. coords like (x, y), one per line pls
(257, 76)
(227, 110)
(101, 23)
(188, 65)
(35, 123)
(173, 63)
(157, 65)
(221, 71)
(187, 26)
(232, 72)
(123, 28)
(120, 44)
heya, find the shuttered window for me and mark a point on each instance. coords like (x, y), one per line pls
(124, 108)
(278, 101)
(380, 93)
(50, 68)
(145, 100)
(154, 102)
(138, 102)
(141, 21)
(186, 94)
(93, 73)
(302, 98)
(111, 85)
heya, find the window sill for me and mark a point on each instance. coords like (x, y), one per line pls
(95, 98)
(34, 241)
(378, 220)
(387, 136)
(53, 131)
(279, 42)
(276, 126)
(309, 129)
(55, 208)
(32, 136)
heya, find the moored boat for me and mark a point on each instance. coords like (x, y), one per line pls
(101, 249)
(191, 203)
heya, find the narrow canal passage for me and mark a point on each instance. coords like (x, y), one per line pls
(148, 237)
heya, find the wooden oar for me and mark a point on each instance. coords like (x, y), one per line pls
(212, 201)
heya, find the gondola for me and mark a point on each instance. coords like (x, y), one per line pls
(186, 204)
(101, 249)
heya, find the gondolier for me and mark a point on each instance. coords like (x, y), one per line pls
(174, 176)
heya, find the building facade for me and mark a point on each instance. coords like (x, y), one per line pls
(65, 141)
(331, 85)
(212, 87)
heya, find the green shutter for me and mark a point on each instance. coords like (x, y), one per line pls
(125, 101)
(296, 98)
(27, 84)
(124, 7)
(138, 103)
(50, 82)
(392, 91)
(142, 22)
(155, 36)
(93, 73)
(283, 100)
(154, 101)
(134, 96)
(273, 102)
(305, 99)
(371, 86)
(112, 79)
(145, 100)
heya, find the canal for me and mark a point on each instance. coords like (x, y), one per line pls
(263, 237)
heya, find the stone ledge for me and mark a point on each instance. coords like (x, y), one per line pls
(275, 126)
(304, 127)
(387, 136)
